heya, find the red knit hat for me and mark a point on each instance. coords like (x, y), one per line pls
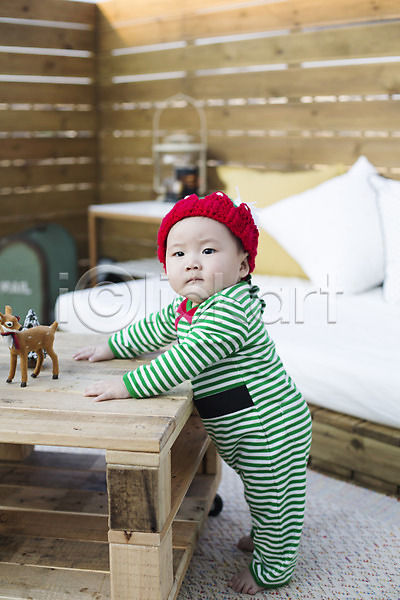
(217, 206)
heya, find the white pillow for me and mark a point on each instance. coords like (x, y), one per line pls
(389, 209)
(333, 230)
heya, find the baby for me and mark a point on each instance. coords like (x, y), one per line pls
(249, 405)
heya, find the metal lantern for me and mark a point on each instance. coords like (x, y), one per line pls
(180, 159)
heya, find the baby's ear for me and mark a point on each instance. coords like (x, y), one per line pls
(244, 266)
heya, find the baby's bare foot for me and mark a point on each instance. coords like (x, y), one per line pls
(244, 583)
(246, 543)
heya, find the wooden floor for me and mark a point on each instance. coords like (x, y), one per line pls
(355, 449)
(54, 526)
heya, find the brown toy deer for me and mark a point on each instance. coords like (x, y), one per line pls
(22, 341)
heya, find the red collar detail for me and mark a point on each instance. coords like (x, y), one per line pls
(14, 337)
(184, 312)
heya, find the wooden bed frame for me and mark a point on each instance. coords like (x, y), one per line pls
(356, 449)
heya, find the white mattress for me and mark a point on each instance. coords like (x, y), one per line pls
(351, 364)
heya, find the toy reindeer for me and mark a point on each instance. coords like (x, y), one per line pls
(22, 341)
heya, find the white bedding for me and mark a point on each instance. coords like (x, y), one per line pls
(351, 364)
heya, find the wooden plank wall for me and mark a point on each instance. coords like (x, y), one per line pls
(253, 65)
(48, 124)
(286, 85)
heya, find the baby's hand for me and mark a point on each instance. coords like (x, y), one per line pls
(108, 390)
(94, 353)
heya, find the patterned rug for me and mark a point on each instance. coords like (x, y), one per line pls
(350, 547)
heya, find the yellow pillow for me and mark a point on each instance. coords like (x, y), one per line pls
(264, 188)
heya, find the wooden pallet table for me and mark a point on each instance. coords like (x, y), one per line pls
(117, 519)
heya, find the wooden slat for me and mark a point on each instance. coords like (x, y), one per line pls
(53, 524)
(358, 453)
(289, 15)
(46, 37)
(211, 464)
(49, 10)
(139, 459)
(74, 223)
(24, 475)
(23, 208)
(203, 487)
(76, 429)
(295, 82)
(47, 120)
(294, 116)
(189, 521)
(110, 193)
(377, 484)
(186, 458)
(47, 93)
(184, 533)
(139, 498)
(127, 173)
(300, 151)
(33, 64)
(46, 148)
(337, 420)
(43, 583)
(66, 460)
(316, 116)
(35, 206)
(128, 563)
(359, 41)
(79, 374)
(50, 499)
(137, 119)
(389, 435)
(43, 552)
(134, 147)
(160, 30)
(287, 149)
(331, 468)
(46, 175)
(15, 452)
(42, 397)
(123, 9)
(172, 21)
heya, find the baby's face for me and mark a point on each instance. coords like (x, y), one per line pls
(203, 257)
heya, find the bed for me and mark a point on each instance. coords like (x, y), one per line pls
(332, 291)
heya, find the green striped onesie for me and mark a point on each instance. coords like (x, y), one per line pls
(249, 405)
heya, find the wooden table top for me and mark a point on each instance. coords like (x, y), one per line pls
(55, 412)
(150, 211)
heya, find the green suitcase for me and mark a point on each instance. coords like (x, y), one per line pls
(35, 267)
